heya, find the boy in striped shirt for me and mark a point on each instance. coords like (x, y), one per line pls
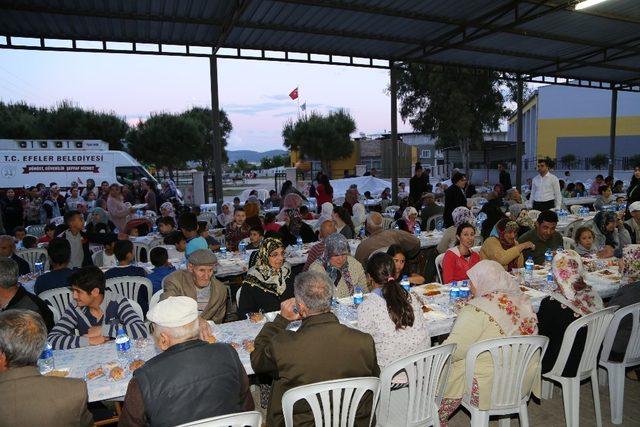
(97, 316)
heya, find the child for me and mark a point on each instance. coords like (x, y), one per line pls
(123, 251)
(203, 231)
(18, 234)
(160, 260)
(236, 202)
(585, 246)
(256, 234)
(133, 232)
(304, 212)
(177, 239)
(166, 226)
(270, 223)
(106, 257)
(80, 254)
(188, 224)
(49, 233)
(605, 197)
(29, 242)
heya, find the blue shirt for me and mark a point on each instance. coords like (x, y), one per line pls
(158, 274)
(195, 244)
(52, 280)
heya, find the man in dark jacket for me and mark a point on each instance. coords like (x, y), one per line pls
(8, 250)
(504, 178)
(300, 358)
(209, 380)
(417, 186)
(454, 197)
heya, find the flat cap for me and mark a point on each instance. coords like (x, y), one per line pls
(202, 257)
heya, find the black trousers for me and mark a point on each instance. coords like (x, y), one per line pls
(544, 206)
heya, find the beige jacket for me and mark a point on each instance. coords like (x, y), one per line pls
(492, 249)
(409, 243)
(182, 283)
(30, 399)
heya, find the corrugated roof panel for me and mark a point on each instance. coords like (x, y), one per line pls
(532, 45)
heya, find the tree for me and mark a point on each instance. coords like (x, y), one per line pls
(569, 160)
(454, 106)
(599, 161)
(166, 141)
(274, 162)
(322, 138)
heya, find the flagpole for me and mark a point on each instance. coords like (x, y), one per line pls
(298, 99)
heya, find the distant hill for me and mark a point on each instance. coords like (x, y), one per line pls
(252, 156)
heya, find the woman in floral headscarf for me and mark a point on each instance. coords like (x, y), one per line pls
(502, 246)
(268, 282)
(295, 227)
(166, 209)
(497, 309)
(609, 231)
(571, 300)
(344, 270)
(460, 215)
(408, 221)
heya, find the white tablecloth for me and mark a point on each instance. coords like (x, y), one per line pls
(589, 200)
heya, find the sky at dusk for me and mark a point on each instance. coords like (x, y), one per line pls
(254, 93)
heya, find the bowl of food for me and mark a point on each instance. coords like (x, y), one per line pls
(60, 373)
(94, 372)
(135, 364)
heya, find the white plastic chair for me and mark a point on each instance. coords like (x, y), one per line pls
(616, 370)
(511, 359)
(130, 286)
(155, 299)
(476, 249)
(568, 243)
(386, 223)
(432, 221)
(240, 419)
(417, 404)
(34, 255)
(575, 209)
(137, 251)
(439, 260)
(596, 324)
(35, 230)
(60, 299)
(339, 398)
(570, 229)
(238, 296)
(392, 209)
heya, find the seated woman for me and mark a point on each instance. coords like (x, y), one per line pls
(572, 299)
(400, 264)
(460, 215)
(294, 226)
(503, 247)
(345, 271)
(342, 218)
(609, 233)
(485, 317)
(409, 219)
(359, 217)
(391, 315)
(99, 222)
(460, 258)
(268, 282)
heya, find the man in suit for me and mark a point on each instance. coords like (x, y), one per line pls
(300, 358)
(30, 399)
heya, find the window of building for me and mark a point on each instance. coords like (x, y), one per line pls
(425, 154)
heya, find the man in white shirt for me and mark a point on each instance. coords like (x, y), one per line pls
(545, 189)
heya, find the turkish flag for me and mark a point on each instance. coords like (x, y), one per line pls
(294, 94)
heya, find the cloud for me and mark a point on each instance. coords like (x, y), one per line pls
(249, 109)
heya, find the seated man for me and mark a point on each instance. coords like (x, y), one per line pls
(13, 296)
(199, 283)
(379, 238)
(544, 236)
(8, 250)
(188, 224)
(162, 267)
(429, 209)
(59, 251)
(317, 250)
(97, 316)
(300, 358)
(123, 250)
(159, 393)
(31, 399)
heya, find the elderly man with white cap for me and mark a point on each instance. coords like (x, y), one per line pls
(191, 379)
(633, 224)
(199, 283)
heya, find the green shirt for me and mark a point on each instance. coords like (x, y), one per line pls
(554, 242)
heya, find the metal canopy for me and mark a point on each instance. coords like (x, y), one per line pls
(597, 47)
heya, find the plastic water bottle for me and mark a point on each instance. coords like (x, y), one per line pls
(299, 243)
(548, 257)
(357, 295)
(223, 251)
(396, 227)
(417, 230)
(528, 270)
(123, 345)
(454, 292)
(139, 213)
(242, 247)
(465, 292)
(39, 268)
(363, 233)
(550, 282)
(404, 282)
(46, 362)
(155, 228)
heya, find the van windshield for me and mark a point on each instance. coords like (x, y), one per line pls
(128, 174)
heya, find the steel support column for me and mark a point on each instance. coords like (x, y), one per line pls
(215, 134)
(519, 131)
(394, 133)
(612, 131)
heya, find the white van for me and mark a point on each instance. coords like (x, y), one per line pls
(25, 163)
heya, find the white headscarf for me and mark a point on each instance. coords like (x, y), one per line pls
(225, 219)
(359, 216)
(326, 214)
